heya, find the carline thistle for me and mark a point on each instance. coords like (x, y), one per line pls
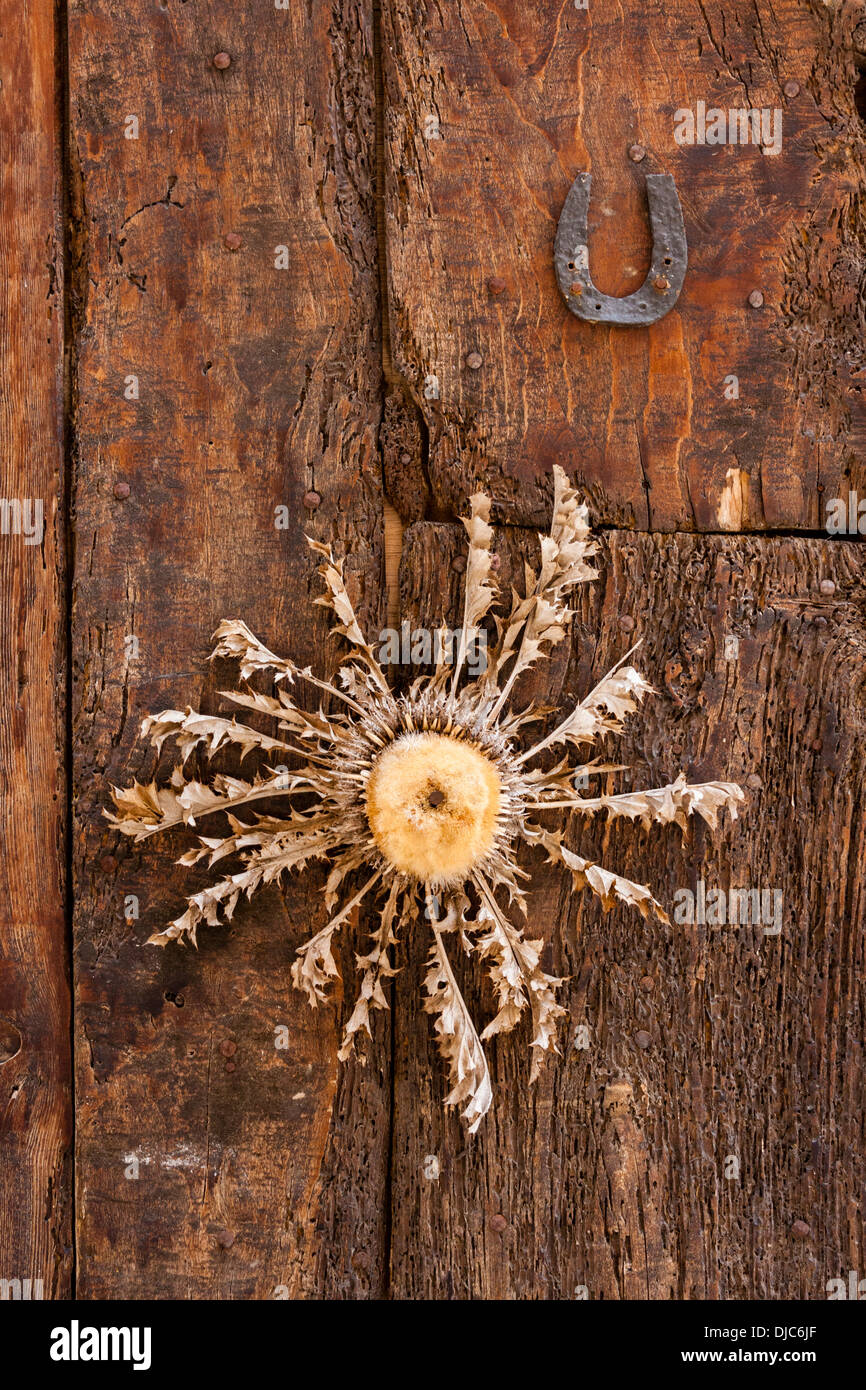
(419, 801)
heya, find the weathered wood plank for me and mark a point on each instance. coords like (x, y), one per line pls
(210, 1163)
(35, 1060)
(719, 1101)
(492, 110)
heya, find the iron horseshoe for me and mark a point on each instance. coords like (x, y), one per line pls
(660, 290)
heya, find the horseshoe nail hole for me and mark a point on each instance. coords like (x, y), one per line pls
(668, 260)
(598, 306)
(571, 265)
(10, 1041)
(641, 306)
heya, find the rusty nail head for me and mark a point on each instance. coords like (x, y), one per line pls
(637, 153)
(647, 984)
(232, 242)
(108, 863)
(642, 1039)
(576, 288)
(800, 1230)
(756, 299)
(226, 1239)
(459, 563)
(312, 500)
(626, 623)
(791, 89)
(661, 283)
(228, 1047)
(495, 561)
(405, 459)
(496, 285)
(436, 797)
(827, 586)
(498, 1222)
(221, 61)
(121, 491)
(474, 360)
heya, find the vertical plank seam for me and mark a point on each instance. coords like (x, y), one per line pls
(393, 379)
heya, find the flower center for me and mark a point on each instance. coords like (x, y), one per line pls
(432, 803)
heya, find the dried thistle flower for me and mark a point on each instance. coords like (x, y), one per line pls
(418, 797)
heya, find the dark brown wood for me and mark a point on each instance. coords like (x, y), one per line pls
(35, 1054)
(710, 1049)
(256, 347)
(260, 1173)
(491, 111)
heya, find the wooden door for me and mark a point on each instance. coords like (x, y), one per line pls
(289, 267)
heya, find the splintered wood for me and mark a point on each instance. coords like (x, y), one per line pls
(297, 260)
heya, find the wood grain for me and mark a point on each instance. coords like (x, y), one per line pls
(35, 1055)
(710, 1050)
(492, 109)
(259, 345)
(259, 1172)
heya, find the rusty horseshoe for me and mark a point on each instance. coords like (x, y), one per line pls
(659, 291)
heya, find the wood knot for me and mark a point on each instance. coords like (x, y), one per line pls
(10, 1041)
